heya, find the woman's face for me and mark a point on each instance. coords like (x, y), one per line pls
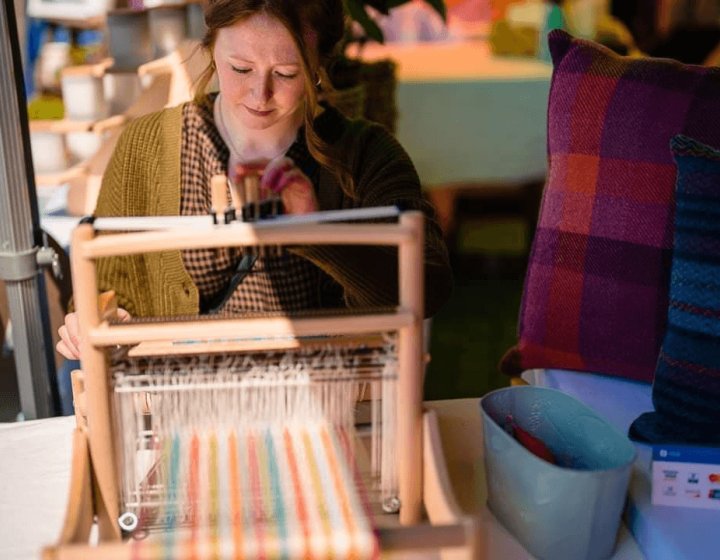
(259, 72)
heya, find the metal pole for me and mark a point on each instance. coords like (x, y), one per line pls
(21, 236)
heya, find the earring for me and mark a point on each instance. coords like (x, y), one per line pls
(319, 81)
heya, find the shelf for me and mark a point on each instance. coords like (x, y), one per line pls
(61, 177)
(170, 5)
(60, 125)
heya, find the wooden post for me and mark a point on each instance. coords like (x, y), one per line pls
(97, 394)
(410, 383)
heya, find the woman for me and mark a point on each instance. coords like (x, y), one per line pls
(270, 58)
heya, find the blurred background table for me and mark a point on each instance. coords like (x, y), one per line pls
(467, 118)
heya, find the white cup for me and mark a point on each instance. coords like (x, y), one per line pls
(121, 90)
(83, 96)
(48, 152)
(53, 58)
(82, 145)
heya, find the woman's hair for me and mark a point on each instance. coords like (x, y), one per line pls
(323, 20)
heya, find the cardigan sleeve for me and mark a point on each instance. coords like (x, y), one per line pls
(383, 175)
(124, 192)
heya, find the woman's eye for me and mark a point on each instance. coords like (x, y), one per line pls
(286, 76)
(240, 70)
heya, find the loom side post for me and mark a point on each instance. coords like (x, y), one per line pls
(438, 496)
(410, 352)
(97, 395)
(80, 511)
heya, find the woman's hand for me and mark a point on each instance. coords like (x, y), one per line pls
(69, 345)
(282, 177)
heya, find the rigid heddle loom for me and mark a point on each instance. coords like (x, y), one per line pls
(260, 435)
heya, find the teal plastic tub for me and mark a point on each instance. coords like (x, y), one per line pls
(569, 510)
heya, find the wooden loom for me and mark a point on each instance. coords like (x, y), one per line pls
(423, 486)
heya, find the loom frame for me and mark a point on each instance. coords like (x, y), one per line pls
(422, 474)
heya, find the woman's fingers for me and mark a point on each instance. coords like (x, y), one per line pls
(73, 328)
(273, 173)
(297, 193)
(123, 314)
(66, 351)
(282, 177)
(69, 345)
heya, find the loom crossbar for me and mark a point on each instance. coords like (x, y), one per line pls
(246, 235)
(109, 335)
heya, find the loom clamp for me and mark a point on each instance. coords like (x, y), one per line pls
(128, 521)
(391, 505)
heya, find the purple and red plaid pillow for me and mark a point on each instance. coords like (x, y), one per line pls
(596, 290)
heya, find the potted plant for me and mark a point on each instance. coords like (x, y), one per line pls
(368, 88)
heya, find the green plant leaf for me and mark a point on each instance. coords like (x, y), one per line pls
(437, 5)
(356, 9)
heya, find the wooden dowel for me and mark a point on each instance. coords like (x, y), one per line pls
(237, 194)
(218, 196)
(134, 333)
(239, 234)
(251, 183)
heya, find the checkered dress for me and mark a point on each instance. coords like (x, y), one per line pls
(278, 281)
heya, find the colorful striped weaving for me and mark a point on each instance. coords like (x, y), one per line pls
(278, 491)
(596, 291)
(686, 391)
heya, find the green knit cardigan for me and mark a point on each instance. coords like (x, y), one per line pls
(143, 179)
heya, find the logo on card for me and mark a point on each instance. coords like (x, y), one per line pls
(670, 474)
(693, 479)
(714, 494)
(692, 493)
(714, 478)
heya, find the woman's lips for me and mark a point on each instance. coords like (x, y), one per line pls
(258, 113)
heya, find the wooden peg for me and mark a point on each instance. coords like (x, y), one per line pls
(107, 305)
(218, 196)
(252, 191)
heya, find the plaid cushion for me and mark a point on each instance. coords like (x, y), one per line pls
(596, 290)
(686, 391)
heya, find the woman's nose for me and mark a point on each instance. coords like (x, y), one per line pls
(262, 89)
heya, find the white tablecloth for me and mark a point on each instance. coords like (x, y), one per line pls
(34, 480)
(466, 116)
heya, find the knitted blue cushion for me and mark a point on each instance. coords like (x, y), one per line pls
(686, 389)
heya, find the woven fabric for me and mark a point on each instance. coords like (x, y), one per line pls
(280, 492)
(279, 281)
(596, 291)
(686, 391)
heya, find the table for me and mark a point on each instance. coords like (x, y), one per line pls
(35, 474)
(466, 115)
(468, 118)
(662, 532)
